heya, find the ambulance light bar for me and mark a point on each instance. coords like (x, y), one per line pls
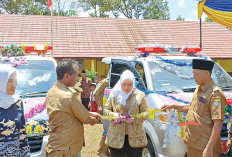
(156, 48)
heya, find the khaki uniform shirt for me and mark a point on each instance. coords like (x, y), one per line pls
(66, 117)
(78, 89)
(208, 104)
(135, 104)
(99, 91)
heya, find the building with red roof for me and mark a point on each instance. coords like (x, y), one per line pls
(88, 40)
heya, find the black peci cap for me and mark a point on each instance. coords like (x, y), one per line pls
(203, 64)
(83, 71)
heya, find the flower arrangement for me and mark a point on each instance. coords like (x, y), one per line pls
(12, 50)
(127, 116)
(228, 113)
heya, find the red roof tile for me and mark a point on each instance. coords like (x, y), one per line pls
(104, 37)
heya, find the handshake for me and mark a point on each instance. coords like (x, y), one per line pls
(93, 118)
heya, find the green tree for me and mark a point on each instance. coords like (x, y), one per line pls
(179, 18)
(34, 7)
(91, 74)
(146, 9)
(28, 7)
(207, 19)
(101, 8)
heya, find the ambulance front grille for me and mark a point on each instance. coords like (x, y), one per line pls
(35, 143)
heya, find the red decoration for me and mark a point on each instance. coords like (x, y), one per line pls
(40, 48)
(49, 3)
(229, 101)
(189, 123)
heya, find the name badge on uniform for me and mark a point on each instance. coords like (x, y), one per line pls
(202, 100)
(217, 102)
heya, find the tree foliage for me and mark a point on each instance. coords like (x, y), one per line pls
(146, 9)
(34, 7)
(179, 18)
(91, 74)
(139, 9)
(24, 7)
(207, 19)
(101, 8)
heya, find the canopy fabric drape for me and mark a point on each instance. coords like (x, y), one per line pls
(219, 11)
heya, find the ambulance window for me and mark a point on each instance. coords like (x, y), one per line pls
(139, 68)
(117, 70)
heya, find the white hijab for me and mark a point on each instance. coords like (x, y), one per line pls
(6, 100)
(117, 91)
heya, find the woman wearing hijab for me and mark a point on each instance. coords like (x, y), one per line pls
(126, 134)
(13, 141)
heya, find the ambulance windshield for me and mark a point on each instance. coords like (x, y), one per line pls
(37, 76)
(169, 77)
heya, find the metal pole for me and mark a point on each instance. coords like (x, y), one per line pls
(51, 31)
(200, 35)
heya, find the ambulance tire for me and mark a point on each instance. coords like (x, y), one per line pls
(148, 151)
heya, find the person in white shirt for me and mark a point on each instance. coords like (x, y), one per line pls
(92, 103)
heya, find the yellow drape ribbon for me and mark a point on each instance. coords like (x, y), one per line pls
(222, 17)
(152, 113)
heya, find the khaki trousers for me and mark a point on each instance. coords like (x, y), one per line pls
(103, 147)
(192, 152)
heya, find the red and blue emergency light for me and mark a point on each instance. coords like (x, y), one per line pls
(149, 48)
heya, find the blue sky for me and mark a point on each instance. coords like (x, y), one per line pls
(186, 8)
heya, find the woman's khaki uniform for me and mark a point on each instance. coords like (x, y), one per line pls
(135, 104)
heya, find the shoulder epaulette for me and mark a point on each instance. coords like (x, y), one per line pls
(77, 87)
(72, 90)
(105, 80)
(215, 88)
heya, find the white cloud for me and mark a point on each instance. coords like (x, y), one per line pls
(189, 19)
(182, 3)
(194, 13)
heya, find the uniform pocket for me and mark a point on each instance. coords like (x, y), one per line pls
(137, 136)
(116, 135)
(203, 109)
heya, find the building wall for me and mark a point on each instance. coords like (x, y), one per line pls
(95, 65)
(92, 65)
(225, 64)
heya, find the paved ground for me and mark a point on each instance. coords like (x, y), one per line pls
(93, 136)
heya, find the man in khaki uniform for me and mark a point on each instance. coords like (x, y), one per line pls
(207, 109)
(99, 92)
(98, 96)
(66, 113)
